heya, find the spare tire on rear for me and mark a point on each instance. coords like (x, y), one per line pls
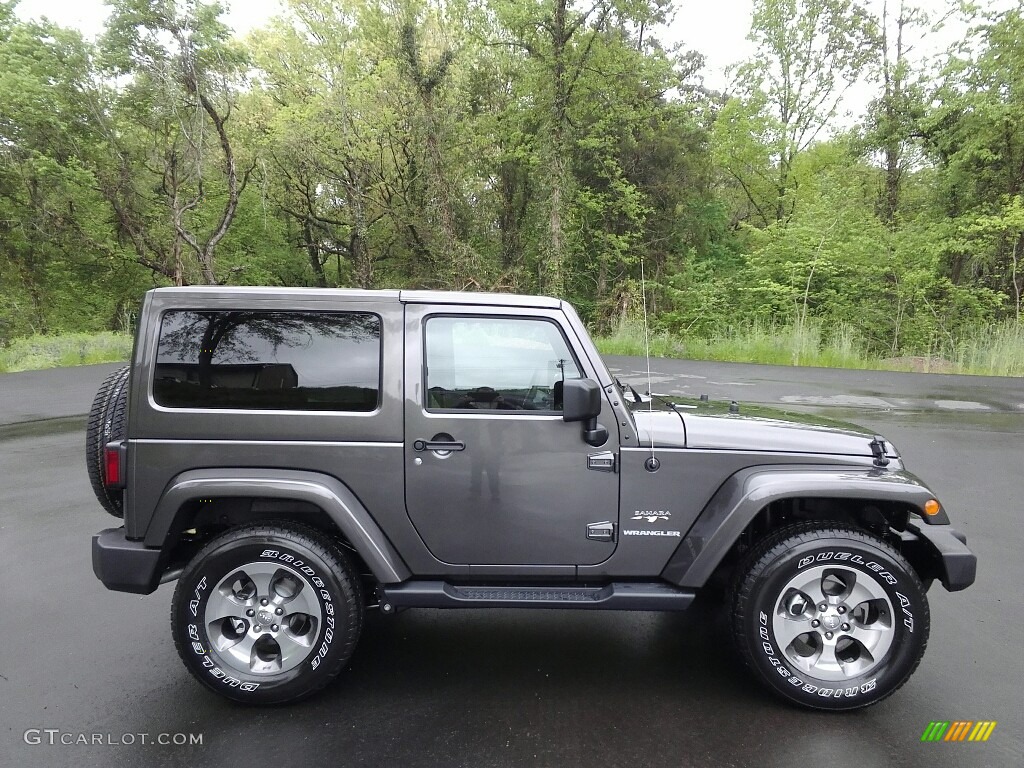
(107, 423)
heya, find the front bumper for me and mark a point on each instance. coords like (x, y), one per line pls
(123, 565)
(940, 552)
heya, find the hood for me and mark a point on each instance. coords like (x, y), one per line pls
(685, 423)
(658, 420)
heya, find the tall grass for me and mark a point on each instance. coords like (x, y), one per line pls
(40, 351)
(804, 344)
(628, 339)
(991, 350)
(759, 343)
(996, 350)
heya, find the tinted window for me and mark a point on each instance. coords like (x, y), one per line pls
(496, 364)
(305, 361)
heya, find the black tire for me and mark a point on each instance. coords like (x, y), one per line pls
(837, 673)
(329, 583)
(108, 420)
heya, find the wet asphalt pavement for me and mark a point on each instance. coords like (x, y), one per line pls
(504, 687)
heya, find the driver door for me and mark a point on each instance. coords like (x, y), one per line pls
(494, 476)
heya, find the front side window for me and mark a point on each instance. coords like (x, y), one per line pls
(303, 361)
(496, 364)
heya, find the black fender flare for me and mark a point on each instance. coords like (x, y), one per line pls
(744, 494)
(326, 492)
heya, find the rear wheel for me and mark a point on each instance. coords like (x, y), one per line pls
(108, 419)
(830, 617)
(267, 614)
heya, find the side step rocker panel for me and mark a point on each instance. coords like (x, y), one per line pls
(623, 596)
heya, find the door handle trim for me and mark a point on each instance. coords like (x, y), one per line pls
(438, 445)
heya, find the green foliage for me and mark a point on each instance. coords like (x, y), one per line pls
(628, 339)
(172, 176)
(987, 350)
(60, 267)
(808, 54)
(35, 352)
(543, 146)
(757, 343)
(993, 350)
(974, 135)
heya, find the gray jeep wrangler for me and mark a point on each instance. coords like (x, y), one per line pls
(294, 457)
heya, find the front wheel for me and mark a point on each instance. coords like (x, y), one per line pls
(267, 614)
(830, 617)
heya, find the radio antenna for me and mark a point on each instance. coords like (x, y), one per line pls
(652, 463)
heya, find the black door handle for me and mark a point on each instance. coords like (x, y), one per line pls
(439, 445)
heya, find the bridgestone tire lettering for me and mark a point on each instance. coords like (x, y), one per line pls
(758, 589)
(302, 550)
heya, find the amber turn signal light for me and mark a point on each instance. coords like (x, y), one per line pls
(931, 507)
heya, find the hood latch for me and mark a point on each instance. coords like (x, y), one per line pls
(878, 451)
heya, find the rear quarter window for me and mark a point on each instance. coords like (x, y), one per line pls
(267, 360)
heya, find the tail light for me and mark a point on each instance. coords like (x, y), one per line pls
(114, 465)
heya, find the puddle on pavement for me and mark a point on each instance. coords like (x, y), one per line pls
(981, 421)
(961, 405)
(839, 400)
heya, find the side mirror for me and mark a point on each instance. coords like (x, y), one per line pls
(581, 401)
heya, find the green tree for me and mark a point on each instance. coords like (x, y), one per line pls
(973, 134)
(324, 136)
(166, 128)
(60, 264)
(809, 53)
(561, 42)
(894, 115)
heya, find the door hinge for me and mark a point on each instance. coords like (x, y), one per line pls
(601, 462)
(604, 531)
